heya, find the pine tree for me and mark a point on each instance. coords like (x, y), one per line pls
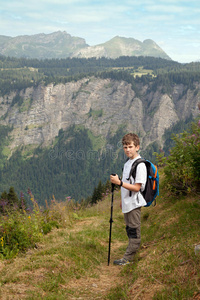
(3, 202)
(12, 197)
(94, 196)
(4, 196)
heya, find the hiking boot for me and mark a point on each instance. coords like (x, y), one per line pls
(121, 262)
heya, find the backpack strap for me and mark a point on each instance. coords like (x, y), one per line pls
(155, 175)
(133, 170)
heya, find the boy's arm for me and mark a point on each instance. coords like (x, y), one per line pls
(131, 187)
(135, 187)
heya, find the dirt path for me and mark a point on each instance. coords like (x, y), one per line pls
(107, 277)
(96, 288)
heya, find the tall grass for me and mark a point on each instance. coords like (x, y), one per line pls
(21, 229)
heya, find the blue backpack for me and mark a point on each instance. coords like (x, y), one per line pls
(151, 190)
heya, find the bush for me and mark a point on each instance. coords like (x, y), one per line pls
(21, 229)
(18, 232)
(182, 166)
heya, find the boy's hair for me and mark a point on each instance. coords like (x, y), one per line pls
(131, 137)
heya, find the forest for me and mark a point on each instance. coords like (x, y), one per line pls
(55, 172)
(17, 74)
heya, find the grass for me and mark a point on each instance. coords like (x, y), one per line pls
(71, 262)
(97, 141)
(140, 71)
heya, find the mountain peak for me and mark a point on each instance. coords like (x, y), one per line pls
(53, 45)
(61, 44)
(122, 46)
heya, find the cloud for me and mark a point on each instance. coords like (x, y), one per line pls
(171, 22)
(167, 9)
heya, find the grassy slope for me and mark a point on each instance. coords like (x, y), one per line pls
(71, 263)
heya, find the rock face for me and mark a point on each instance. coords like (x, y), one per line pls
(101, 105)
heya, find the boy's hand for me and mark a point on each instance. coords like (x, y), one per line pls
(115, 179)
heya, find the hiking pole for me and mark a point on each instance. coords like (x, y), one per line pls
(111, 220)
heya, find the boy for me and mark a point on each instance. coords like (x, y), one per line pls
(131, 203)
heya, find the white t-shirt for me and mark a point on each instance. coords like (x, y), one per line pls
(136, 199)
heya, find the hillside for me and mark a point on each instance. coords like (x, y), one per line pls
(71, 262)
(60, 250)
(62, 45)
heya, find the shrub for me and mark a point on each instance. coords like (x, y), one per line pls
(9, 201)
(18, 232)
(20, 229)
(182, 166)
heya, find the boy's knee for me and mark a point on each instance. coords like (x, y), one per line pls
(131, 232)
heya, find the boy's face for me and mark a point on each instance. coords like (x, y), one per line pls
(131, 150)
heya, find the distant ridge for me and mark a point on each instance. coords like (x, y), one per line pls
(121, 46)
(54, 45)
(62, 45)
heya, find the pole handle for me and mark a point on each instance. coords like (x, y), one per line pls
(113, 185)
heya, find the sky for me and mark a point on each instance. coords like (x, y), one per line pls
(173, 24)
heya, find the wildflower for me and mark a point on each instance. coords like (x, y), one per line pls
(46, 203)
(33, 199)
(3, 204)
(29, 217)
(23, 206)
(2, 242)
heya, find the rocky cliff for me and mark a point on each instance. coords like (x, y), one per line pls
(101, 105)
